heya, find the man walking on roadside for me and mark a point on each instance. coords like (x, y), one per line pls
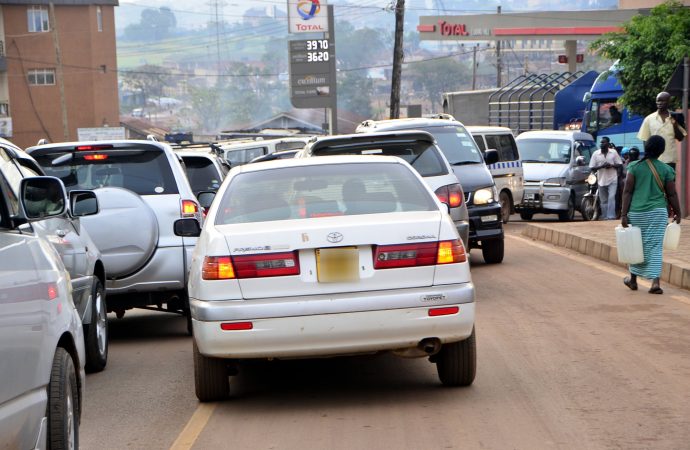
(662, 123)
(606, 162)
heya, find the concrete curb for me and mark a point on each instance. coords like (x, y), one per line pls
(674, 272)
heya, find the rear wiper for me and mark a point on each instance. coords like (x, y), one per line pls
(62, 159)
(463, 163)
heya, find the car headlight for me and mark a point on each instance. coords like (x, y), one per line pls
(485, 196)
(555, 182)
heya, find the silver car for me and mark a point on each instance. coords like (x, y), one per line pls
(41, 339)
(79, 253)
(142, 190)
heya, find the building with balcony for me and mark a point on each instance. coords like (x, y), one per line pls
(58, 68)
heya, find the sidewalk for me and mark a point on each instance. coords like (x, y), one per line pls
(597, 239)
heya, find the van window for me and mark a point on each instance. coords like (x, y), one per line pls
(480, 142)
(586, 149)
(505, 145)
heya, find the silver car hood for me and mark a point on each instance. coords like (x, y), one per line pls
(541, 171)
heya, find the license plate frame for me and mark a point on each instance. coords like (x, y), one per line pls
(337, 265)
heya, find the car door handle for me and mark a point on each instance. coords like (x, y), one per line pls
(61, 233)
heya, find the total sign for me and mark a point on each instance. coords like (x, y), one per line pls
(307, 16)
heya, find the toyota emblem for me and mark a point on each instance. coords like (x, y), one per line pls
(334, 237)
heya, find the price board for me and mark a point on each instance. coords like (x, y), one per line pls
(312, 73)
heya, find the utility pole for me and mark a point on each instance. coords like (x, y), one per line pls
(498, 56)
(684, 146)
(217, 11)
(474, 68)
(397, 59)
(59, 73)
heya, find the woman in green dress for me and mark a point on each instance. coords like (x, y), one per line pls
(649, 190)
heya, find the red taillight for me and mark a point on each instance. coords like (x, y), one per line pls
(451, 195)
(236, 326)
(86, 148)
(444, 311)
(268, 265)
(52, 292)
(189, 208)
(96, 157)
(406, 255)
(217, 268)
(250, 266)
(450, 252)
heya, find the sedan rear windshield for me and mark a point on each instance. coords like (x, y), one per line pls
(146, 172)
(321, 191)
(554, 151)
(423, 156)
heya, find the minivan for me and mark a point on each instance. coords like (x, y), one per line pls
(555, 164)
(507, 171)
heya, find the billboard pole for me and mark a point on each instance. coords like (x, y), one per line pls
(333, 110)
(684, 145)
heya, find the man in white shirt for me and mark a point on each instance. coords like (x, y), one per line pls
(606, 162)
(661, 122)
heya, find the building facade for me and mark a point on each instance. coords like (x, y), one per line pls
(58, 69)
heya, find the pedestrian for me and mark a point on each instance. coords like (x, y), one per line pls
(662, 123)
(606, 162)
(616, 116)
(649, 190)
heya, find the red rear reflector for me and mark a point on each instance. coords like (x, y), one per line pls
(267, 265)
(52, 292)
(217, 268)
(236, 326)
(450, 252)
(447, 311)
(451, 195)
(97, 157)
(189, 208)
(406, 255)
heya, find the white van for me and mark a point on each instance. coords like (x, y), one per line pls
(241, 152)
(507, 172)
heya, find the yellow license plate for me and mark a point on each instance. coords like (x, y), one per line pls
(337, 265)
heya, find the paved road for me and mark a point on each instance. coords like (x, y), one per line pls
(568, 358)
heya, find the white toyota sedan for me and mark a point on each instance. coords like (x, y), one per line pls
(329, 256)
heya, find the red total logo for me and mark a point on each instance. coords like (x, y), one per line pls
(452, 29)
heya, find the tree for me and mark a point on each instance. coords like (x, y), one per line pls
(355, 92)
(437, 76)
(148, 79)
(648, 50)
(154, 25)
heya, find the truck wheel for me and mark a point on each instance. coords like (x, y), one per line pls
(96, 332)
(63, 403)
(506, 206)
(569, 214)
(492, 251)
(456, 363)
(210, 377)
(526, 215)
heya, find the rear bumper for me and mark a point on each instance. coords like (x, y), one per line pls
(323, 326)
(165, 271)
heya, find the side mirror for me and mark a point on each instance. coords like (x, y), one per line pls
(491, 156)
(187, 227)
(580, 161)
(205, 198)
(83, 203)
(43, 197)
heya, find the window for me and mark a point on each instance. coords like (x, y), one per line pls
(505, 145)
(41, 77)
(480, 142)
(99, 18)
(38, 19)
(13, 177)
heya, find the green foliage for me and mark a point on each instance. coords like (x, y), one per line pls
(648, 51)
(154, 24)
(435, 77)
(355, 92)
(148, 79)
(358, 47)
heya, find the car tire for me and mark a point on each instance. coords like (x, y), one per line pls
(210, 377)
(456, 363)
(569, 214)
(63, 403)
(587, 208)
(506, 206)
(493, 251)
(96, 332)
(526, 215)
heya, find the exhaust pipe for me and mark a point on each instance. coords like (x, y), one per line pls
(430, 346)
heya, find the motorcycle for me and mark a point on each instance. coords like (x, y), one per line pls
(590, 207)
